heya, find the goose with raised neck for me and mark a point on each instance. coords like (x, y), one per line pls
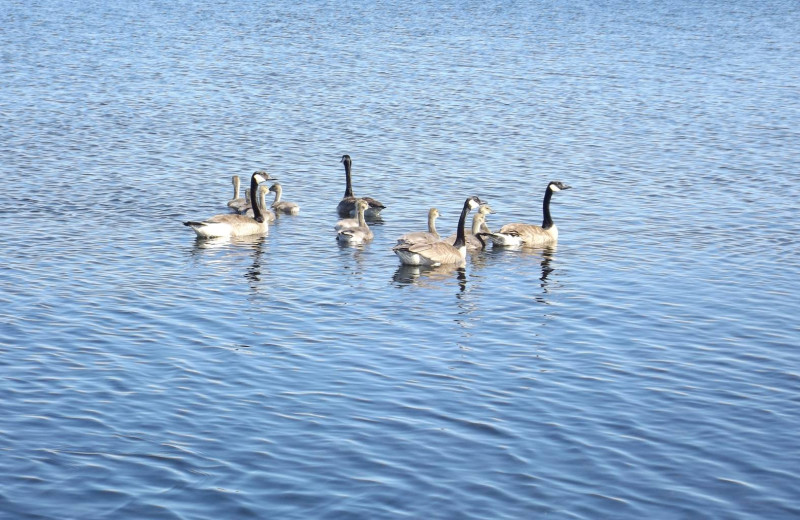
(347, 206)
(233, 225)
(280, 206)
(440, 253)
(419, 237)
(359, 234)
(530, 235)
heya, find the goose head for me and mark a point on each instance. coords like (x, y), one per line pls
(485, 209)
(433, 213)
(276, 187)
(262, 176)
(361, 205)
(557, 186)
(473, 202)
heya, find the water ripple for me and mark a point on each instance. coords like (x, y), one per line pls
(643, 368)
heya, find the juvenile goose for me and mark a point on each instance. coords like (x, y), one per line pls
(417, 237)
(289, 208)
(347, 206)
(474, 240)
(262, 205)
(231, 225)
(360, 234)
(347, 223)
(527, 234)
(236, 201)
(439, 253)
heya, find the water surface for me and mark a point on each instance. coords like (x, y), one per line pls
(646, 367)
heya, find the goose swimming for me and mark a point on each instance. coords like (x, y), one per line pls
(347, 206)
(232, 225)
(529, 235)
(439, 253)
(359, 234)
(288, 208)
(417, 237)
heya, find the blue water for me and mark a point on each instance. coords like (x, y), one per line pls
(646, 367)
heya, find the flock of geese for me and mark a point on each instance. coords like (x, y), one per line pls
(251, 216)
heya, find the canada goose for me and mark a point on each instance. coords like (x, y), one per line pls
(361, 233)
(440, 252)
(236, 201)
(418, 237)
(289, 208)
(473, 239)
(347, 206)
(262, 205)
(231, 225)
(528, 234)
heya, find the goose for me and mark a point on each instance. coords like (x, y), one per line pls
(289, 208)
(527, 234)
(262, 205)
(428, 237)
(231, 225)
(474, 240)
(360, 234)
(347, 205)
(439, 253)
(346, 223)
(236, 201)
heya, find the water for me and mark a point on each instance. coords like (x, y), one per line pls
(644, 368)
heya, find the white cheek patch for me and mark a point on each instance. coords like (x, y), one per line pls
(553, 187)
(260, 179)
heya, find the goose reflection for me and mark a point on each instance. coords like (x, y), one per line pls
(253, 273)
(544, 255)
(548, 254)
(354, 258)
(217, 243)
(223, 253)
(426, 276)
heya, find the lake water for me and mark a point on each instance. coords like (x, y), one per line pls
(646, 367)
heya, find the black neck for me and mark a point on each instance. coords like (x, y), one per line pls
(460, 238)
(348, 191)
(254, 199)
(547, 222)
